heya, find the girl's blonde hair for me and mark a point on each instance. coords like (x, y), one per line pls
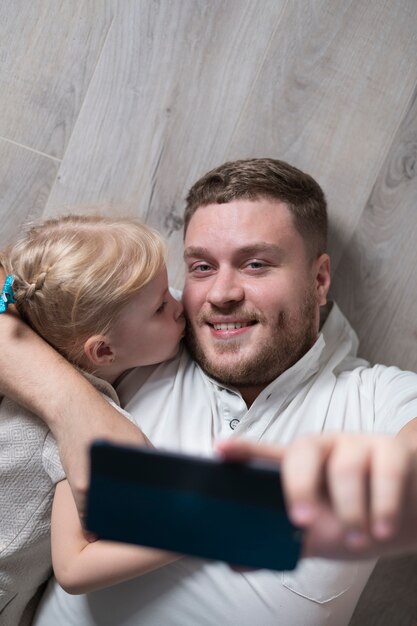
(74, 274)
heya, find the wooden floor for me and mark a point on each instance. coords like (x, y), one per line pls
(122, 104)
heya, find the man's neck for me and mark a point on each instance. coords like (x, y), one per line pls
(249, 394)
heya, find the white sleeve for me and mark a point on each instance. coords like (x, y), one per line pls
(51, 460)
(395, 398)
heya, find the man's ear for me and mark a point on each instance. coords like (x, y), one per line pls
(322, 270)
(99, 351)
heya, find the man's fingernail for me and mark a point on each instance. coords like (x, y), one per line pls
(302, 513)
(383, 529)
(356, 539)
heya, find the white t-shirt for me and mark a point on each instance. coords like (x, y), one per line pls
(179, 407)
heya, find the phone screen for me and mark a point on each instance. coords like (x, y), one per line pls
(208, 508)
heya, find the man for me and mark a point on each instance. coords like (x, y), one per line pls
(257, 276)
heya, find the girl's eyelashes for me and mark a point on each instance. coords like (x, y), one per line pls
(161, 307)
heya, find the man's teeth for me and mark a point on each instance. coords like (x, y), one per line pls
(232, 326)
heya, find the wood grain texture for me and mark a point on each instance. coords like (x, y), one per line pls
(48, 52)
(376, 282)
(331, 94)
(389, 598)
(162, 106)
(24, 200)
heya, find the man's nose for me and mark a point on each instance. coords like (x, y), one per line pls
(225, 288)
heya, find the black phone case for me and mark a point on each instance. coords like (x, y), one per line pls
(207, 508)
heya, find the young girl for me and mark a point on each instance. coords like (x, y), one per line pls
(96, 289)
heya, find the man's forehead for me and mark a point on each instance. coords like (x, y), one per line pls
(241, 224)
(240, 211)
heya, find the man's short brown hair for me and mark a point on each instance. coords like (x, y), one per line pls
(253, 179)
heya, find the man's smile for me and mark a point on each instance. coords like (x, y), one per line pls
(230, 325)
(230, 328)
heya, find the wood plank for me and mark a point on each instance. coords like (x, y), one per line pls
(48, 52)
(331, 95)
(25, 182)
(389, 597)
(162, 106)
(375, 283)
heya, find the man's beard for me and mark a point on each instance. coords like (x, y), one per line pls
(291, 337)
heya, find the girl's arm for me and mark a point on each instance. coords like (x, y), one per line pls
(80, 566)
(40, 379)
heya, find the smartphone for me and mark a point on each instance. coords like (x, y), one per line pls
(208, 508)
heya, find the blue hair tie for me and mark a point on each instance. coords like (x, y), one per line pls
(7, 295)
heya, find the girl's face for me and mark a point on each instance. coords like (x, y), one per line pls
(149, 328)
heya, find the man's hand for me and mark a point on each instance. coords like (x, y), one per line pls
(75, 434)
(354, 494)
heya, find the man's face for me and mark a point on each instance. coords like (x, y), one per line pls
(251, 293)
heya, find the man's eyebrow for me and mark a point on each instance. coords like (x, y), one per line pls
(193, 251)
(261, 248)
(250, 250)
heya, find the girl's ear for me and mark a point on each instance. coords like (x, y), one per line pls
(99, 351)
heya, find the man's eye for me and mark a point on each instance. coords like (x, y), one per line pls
(256, 265)
(200, 268)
